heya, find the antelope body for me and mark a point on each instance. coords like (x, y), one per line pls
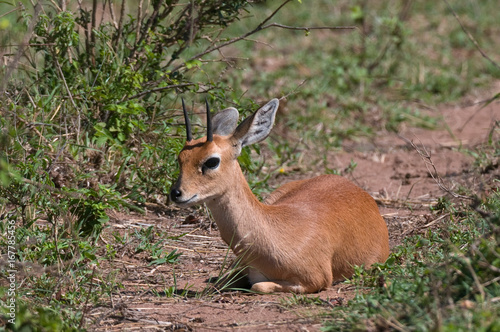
(304, 236)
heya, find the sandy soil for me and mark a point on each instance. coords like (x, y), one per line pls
(388, 167)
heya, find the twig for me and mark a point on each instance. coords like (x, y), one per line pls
(103, 10)
(85, 26)
(404, 202)
(112, 13)
(56, 5)
(294, 90)
(120, 25)
(30, 45)
(53, 161)
(308, 28)
(78, 119)
(263, 25)
(475, 277)
(85, 309)
(158, 89)
(436, 220)
(379, 58)
(404, 13)
(33, 126)
(431, 168)
(492, 281)
(471, 38)
(92, 33)
(396, 325)
(12, 65)
(155, 16)
(191, 24)
(487, 100)
(489, 266)
(485, 103)
(139, 22)
(48, 188)
(11, 11)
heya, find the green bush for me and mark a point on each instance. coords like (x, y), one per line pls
(88, 108)
(90, 124)
(446, 280)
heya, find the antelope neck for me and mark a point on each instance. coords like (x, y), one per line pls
(238, 213)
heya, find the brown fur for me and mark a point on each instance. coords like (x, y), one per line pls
(306, 235)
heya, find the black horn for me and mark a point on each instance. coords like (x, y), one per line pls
(210, 135)
(189, 137)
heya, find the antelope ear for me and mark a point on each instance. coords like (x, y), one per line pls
(225, 121)
(257, 126)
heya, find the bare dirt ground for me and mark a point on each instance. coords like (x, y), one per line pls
(387, 167)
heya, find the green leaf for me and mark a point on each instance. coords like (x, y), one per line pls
(193, 63)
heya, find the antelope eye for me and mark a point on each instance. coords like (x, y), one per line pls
(211, 163)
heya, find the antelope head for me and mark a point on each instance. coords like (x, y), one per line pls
(208, 164)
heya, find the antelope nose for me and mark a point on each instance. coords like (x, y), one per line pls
(175, 194)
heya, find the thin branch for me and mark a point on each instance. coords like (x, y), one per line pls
(85, 306)
(112, 13)
(436, 220)
(273, 13)
(191, 24)
(139, 21)
(471, 38)
(475, 277)
(24, 45)
(92, 31)
(488, 265)
(119, 31)
(159, 89)
(54, 190)
(263, 25)
(259, 28)
(149, 24)
(379, 58)
(33, 126)
(17, 58)
(103, 10)
(10, 11)
(482, 101)
(404, 13)
(485, 103)
(492, 281)
(294, 90)
(308, 28)
(78, 125)
(56, 6)
(431, 168)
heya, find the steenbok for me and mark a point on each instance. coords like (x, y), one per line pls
(304, 236)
